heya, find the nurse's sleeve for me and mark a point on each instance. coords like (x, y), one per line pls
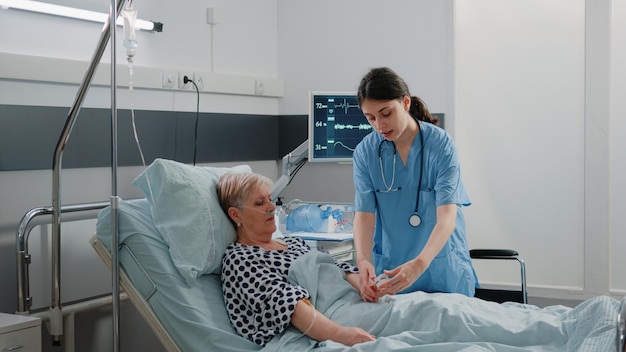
(449, 188)
(364, 196)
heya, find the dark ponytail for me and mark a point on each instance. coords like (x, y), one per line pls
(419, 111)
(382, 83)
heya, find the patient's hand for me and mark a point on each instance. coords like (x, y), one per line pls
(367, 288)
(350, 336)
(319, 327)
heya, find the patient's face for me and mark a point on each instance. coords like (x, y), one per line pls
(257, 213)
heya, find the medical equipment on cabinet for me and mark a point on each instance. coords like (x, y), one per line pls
(312, 217)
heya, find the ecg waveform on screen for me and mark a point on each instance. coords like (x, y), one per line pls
(362, 126)
(335, 144)
(338, 125)
(343, 145)
(345, 106)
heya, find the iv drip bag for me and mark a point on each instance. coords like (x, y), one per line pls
(129, 14)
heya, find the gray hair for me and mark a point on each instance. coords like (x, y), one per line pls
(233, 188)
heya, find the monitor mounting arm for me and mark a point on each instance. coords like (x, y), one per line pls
(294, 159)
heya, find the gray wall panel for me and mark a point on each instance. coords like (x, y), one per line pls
(293, 130)
(29, 135)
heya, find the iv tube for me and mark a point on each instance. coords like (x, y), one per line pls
(129, 15)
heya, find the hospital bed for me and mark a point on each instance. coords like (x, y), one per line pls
(184, 306)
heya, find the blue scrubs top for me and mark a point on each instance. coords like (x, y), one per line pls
(395, 240)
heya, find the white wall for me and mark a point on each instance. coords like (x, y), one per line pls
(617, 143)
(532, 91)
(330, 45)
(520, 132)
(242, 45)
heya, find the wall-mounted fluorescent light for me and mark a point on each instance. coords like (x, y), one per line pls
(65, 11)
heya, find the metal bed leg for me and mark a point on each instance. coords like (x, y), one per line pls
(621, 327)
(523, 275)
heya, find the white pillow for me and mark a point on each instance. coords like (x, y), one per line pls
(188, 215)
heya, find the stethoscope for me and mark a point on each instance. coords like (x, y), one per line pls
(414, 220)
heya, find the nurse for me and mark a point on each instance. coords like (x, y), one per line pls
(408, 223)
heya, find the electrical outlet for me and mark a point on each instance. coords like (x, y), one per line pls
(169, 78)
(259, 86)
(199, 79)
(214, 15)
(181, 82)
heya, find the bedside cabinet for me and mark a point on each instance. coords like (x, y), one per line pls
(19, 333)
(342, 250)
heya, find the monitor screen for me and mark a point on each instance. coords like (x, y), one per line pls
(336, 126)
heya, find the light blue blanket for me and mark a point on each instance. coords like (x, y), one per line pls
(446, 322)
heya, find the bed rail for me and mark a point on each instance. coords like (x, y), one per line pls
(31, 219)
(43, 216)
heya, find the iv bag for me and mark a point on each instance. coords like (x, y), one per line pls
(129, 14)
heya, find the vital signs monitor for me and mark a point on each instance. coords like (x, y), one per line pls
(336, 126)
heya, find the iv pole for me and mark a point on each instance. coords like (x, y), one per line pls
(115, 267)
(56, 315)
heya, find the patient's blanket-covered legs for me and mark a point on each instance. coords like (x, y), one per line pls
(449, 321)
(446, 322)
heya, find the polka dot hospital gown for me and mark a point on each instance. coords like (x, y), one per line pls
(259, 299)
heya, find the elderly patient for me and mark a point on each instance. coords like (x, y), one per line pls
(260, 301)
(264, 280)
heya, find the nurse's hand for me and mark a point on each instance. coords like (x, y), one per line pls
(403, 276)
(368, 290)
